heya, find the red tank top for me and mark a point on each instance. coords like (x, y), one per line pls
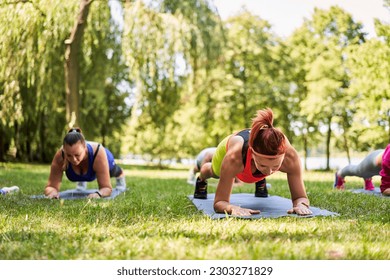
(246, 175)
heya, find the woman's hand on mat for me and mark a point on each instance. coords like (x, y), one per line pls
(238, 211)
(300, 209)
(102, 192)
(94, 195)
(51, 192)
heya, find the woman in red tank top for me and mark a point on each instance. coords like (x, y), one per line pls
(268, 151)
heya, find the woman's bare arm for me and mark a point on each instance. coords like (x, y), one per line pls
(53, 185)
(101, 168)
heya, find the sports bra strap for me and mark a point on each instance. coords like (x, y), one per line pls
(94, 155)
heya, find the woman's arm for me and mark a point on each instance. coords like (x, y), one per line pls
(101, 168)
(53, 185)
(292, 166)
(231, 166)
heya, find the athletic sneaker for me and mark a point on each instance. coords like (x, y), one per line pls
(339, 182)
(81, 186)
(6, 190)
(200, 189)
(191, 177)
(368, 185)
(261, 189)
(121, 183)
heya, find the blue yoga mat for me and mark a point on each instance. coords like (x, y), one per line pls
(270, 207)
(80, 194)
(376, 192)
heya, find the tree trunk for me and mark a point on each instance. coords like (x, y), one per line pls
(328, 136)
(73, 47)
(4, 143)
(305, 149)
(346, 147)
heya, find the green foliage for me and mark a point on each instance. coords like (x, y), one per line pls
(32, 91)
(32, 101)
(370, 85)
(161, 49)
(175, 78)
(249, 60)
(323, 73)
(152, 42)
(103, 69)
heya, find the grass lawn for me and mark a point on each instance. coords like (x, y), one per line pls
(154, 220)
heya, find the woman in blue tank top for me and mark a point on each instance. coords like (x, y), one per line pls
(83, 161)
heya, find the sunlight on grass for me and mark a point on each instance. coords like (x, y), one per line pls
(155, 220)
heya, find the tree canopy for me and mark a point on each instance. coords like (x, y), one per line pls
(172, 77)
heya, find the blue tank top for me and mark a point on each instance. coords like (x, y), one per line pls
(91, 174)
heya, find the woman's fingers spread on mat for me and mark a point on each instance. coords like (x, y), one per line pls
(238, 211)
(300, 210)
(53, 195)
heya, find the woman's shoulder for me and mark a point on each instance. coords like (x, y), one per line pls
(234, 151)
(59, 157)
(236, 140)
(93, 143)
(291, 151)
(291, 160)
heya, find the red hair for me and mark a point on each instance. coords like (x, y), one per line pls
(264, 138)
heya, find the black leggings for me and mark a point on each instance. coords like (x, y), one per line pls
(116, 171)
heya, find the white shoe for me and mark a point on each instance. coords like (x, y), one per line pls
(191, 182)
(81, 186)
(121, 183)
(12, 189)
(191, 177)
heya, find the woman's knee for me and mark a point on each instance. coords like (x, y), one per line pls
(206, 170)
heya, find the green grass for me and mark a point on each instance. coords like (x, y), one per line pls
(155, 220)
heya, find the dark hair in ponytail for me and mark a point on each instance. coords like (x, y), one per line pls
(73, 136)
(264, 138)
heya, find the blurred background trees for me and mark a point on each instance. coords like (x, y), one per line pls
(165, 78)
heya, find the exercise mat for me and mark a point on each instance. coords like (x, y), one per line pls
(270, 207)
(79, 194)
(376, 191)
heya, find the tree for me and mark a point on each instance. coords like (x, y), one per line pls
(72, 57)
(369, 71)
(28, 69)
(32, 84)
(152, 43)
(167, 53)
(249, 61)
(327, 37)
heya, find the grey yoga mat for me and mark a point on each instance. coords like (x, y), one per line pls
(79, 194)
(270, 207)
(376, 192)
